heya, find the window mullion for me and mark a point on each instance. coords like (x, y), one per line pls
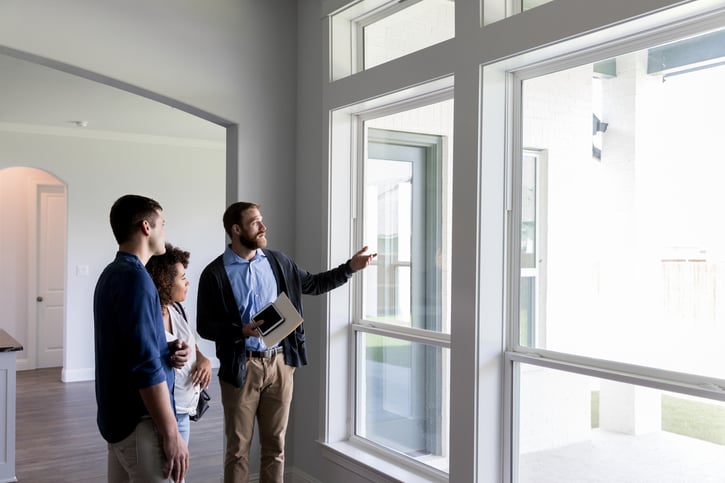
(694, 385)
(410, 334)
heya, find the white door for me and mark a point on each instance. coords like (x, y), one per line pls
(50, 298)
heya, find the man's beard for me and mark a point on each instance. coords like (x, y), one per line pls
(252, 243)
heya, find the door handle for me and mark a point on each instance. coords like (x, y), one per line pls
(39, 298)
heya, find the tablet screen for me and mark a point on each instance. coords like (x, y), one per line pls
(272, 318)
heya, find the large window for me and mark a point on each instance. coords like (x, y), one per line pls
(554, 294)
(619, 265)
(402, 362)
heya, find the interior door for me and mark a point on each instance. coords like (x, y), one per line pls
(50, 298)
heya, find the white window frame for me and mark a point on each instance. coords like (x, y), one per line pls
(339, 443)
(346, 26)
(429, 171)
(347, 33)
(480, 436)
(505, 79)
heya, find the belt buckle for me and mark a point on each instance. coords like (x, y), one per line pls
(265, 354)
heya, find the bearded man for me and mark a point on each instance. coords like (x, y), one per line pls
(257, 381)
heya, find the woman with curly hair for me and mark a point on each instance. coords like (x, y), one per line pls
(168, 272)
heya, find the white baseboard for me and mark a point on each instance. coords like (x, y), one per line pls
(77, 375)
(22, 364)
(66, 375)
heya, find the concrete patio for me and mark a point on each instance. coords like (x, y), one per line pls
(609, 457)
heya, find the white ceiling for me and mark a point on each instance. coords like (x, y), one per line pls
(32, 94)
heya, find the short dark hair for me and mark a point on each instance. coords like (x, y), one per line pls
(128, 212)
(162, 269)
(233, 214)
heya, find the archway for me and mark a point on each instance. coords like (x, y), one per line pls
(140, 146)
(33, 242)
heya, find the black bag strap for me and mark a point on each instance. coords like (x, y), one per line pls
(180, 309)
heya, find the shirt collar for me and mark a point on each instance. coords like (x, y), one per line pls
(231, 258)
(128, 256)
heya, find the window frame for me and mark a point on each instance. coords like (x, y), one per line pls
(347, 145)
(347, 33)
(427, 195)
(510, 74)
(481, 435)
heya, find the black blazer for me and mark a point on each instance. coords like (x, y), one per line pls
(218, 318)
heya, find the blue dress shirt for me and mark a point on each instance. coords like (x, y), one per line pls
(254, 286)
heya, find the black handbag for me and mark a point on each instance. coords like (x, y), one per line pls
(202, 406)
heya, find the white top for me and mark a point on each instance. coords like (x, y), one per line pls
(186, 395)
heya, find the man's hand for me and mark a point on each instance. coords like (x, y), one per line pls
(179, 353)
(177, 458)
(250, 329)
(361, 259)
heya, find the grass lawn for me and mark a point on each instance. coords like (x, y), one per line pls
(388, 350)
(687, 417)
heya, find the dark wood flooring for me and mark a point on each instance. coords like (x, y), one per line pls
(58, 440)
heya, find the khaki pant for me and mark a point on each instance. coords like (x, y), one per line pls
(139, 458)
(266, 396)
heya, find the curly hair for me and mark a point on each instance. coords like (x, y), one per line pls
(162, 269)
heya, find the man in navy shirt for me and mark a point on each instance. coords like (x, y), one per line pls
(134, 365)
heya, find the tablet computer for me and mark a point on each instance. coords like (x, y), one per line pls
(271, 317)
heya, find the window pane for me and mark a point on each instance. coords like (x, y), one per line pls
(420, 25)
(527, 314)
(402, 398)
(529, 4)
(635, 266)
(575, 428)
(528, 212)
(406, 217)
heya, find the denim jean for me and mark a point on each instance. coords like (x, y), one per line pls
(183, 420)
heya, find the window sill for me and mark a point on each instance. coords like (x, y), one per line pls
(373, 466)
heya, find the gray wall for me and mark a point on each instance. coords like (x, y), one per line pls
(185, 179)
(232, 62)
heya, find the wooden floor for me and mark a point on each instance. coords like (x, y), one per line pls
(58, 440)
